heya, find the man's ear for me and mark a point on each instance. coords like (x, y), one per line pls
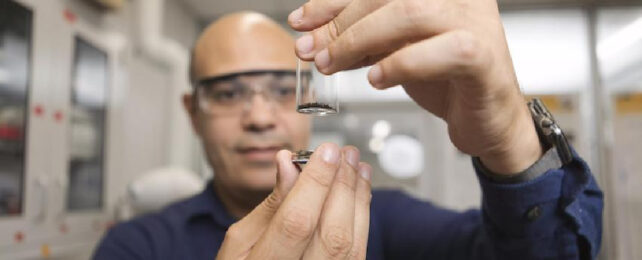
(190, 107)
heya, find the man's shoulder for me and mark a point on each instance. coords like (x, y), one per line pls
(390, 202)
(142, 235)
(390, 196)
(153, 224)
(135, 231)
(385, 202)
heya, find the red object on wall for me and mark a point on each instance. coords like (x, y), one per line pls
(18, 237)
(38, 110)
(69, 16)
(63, 228)
(58, 116)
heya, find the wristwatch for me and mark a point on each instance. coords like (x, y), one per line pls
(550, 134)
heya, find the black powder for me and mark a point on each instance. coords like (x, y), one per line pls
(315, 105)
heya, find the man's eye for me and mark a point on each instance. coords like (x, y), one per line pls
(284, 92)
(226, 95)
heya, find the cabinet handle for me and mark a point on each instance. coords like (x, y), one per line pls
(41, 189)
(61, 184)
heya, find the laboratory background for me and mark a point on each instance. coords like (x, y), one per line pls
(92, 129)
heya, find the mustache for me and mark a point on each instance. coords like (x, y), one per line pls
(264, 139)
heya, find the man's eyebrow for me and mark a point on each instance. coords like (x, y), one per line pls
(233, 75)
(213, 79)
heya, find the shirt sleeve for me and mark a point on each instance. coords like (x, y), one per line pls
(555, 215)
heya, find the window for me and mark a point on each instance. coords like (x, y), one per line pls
(87, 129)
(15, 56)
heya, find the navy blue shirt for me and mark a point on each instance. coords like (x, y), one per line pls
(557, 215)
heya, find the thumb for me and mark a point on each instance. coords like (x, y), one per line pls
(242, 235)
(286, 175)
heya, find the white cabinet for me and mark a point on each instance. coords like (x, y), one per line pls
(57, 75)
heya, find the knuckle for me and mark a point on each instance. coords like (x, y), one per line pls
(337, 242)
(319, 176)
(349, 40)
(467, 48)
(346, 178)
(334, 7)
(463, 5)
(364, 197)
(272, 202)
(357, 250)
(333, 30)
(405, 66)
(325, 9)
(297, 225)
(320, 36)
(415, 11)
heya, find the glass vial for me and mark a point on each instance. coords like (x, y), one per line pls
(316, 93)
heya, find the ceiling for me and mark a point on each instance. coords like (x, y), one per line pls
(545, 59)
(207, 10)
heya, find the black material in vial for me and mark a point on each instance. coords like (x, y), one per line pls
(316, 108)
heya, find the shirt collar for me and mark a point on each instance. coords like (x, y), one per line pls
(208, 203)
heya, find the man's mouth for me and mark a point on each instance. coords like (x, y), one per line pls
(260, 153)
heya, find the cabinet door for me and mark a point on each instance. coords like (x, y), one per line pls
(80, 212)
(85, 170)
(54, 82)
(15, 57)
(87, 124)
(24, 119)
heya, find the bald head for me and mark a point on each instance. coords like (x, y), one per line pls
(240, 42)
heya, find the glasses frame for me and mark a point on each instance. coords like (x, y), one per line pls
(200, 84)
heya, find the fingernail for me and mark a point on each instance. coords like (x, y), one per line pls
(305, 44)
(375, 75)
(322, 60)
(352, 156)
(330, 153)
(296, 16)
(365, 172)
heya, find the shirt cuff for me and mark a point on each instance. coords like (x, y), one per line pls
(530, 207)
(550, 160)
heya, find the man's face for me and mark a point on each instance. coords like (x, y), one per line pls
(241, 144)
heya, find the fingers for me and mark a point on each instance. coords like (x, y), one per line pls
(242, 235)
(287, 173)
(330, 29)
(450, 54)
(295, 221)
(334, 234)
(315, 13)
(363, 197)
(397, 24)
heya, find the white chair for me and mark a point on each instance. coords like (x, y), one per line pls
(157, 189)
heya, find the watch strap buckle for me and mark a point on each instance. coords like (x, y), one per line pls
(549, 131)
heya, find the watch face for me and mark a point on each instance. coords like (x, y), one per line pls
(402, 157)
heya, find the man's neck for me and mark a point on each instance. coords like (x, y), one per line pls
(238, 203)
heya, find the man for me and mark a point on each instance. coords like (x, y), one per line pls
(451, 57)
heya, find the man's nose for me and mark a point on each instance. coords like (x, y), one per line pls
(260, 116)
